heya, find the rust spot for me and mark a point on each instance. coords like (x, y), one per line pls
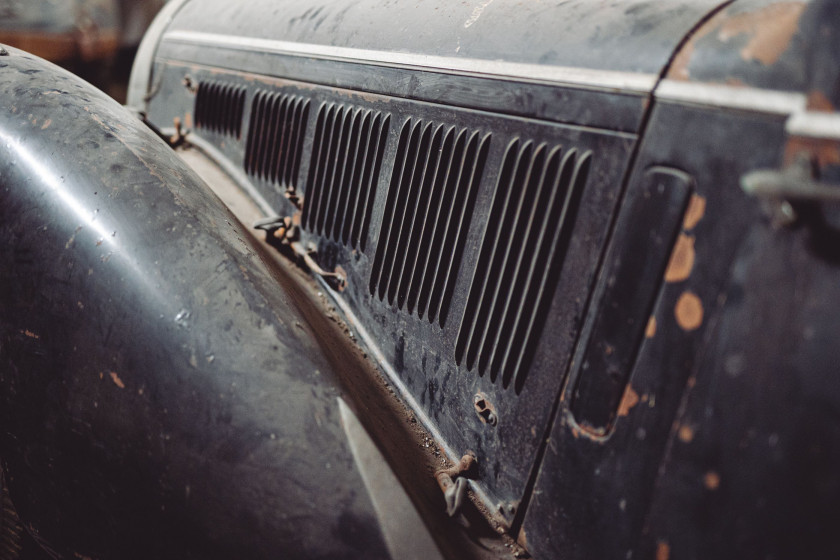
(769, 29)
(46, 124)
(188, 120)
(711, 480)
(682, 259)
(817, 101)
(663, 550)
(650, 330)
(695, 211)
(689, 311)
(628, 401)
(30, 334)
(692, 381)
(116, 379)
(685, 433)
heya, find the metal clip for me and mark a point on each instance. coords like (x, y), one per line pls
(454, 484)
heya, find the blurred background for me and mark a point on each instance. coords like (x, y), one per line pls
(96, 39)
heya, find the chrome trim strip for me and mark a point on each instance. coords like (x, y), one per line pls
(813, 124)
(141, 69)
(538, 73)
(731, 97)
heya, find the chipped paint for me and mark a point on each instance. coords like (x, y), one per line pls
(689, 311)
(116, 379)
(769, 31)
(628, 401)
(711, 480)
(695, 212)
(476, 13)
(663, 550)
(682, 259)
(650, 329)
(685, 433)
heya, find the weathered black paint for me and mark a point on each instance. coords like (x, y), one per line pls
(160, 394)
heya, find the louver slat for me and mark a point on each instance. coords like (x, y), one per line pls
(219, 108)
(346, 159)
(275, 137)
(427, 215)
(530, 224)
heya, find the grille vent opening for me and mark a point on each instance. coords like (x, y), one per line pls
(534, 208)
(344, 172)
(275, 137)
(219, 108)
(428, 210)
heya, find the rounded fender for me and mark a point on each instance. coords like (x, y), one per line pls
(160, 394)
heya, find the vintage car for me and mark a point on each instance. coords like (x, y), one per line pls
(376, 279)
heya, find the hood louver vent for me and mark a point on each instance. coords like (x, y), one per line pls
(344, 172)
(219, 108)
(427, 216)
(527, 235)
(275, 137)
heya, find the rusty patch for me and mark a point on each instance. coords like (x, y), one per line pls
(116, 379)
(628, 401)
(663, 550)
(30, 334)
(188, 120)
(685, 433)
(695, 211)
(711, 480)
(46, 124)
(682, 259)
(769, 29)
(689, 311)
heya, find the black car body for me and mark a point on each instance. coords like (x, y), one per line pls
(573, 274)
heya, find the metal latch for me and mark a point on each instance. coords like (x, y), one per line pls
(453, 482)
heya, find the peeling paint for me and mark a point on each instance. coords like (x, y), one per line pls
(650, 329)
(628, 401)
(695, 211)
(769, 29)
(116, 379)
(689, 311)
(682, 259)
